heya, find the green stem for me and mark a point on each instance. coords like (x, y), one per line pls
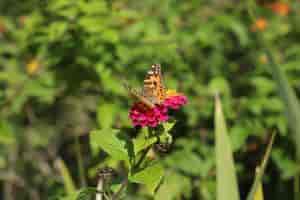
(119, 192)
(66, 176)
(80, 162)
(142, 158)
(135, 167)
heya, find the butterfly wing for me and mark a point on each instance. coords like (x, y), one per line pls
(154, 89)
(135, 94)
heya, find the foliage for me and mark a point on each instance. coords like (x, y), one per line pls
(61, 63)
(227, 187)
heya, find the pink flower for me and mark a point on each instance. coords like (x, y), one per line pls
(175, 102)
(141, 115)
(144, 116)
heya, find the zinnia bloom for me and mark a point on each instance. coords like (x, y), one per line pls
(174, 100)
(142, 115)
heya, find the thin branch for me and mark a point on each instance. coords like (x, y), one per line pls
(99, 195)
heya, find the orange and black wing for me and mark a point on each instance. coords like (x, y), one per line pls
(154, 89)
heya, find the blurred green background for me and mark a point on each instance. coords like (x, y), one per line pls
(61, 62)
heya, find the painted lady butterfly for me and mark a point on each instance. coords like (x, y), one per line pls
(154, 91)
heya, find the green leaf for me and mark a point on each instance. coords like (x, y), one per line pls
(183, 160)
(170, 189)
(143, 141)
(168, 126)
(6, 137)
(238, 136)
(106, 115)
(108, 141)
(219, 84)
(287, 166)
(227, 187)
(150, 176)
(289, 97)
(260, 171)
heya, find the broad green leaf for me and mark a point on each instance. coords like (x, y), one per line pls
(227, 187)
(183, 160)
(108, 141)
(142, 143)
(260, 171)
(150, 176)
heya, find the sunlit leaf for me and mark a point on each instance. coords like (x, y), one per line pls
(151, 176)
(108, 141)
(227, 187)
(170, 189)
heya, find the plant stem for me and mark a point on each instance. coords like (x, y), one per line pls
(80, 162)
(135, 167)
(118, 193)
(99, 194)
(66, 177)
(142, 158)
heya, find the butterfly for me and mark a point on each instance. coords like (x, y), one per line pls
(153, 91)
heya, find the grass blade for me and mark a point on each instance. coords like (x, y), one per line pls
(260, 171)
(227, 187)
(289, 98)
(66, 177)
(259, 194)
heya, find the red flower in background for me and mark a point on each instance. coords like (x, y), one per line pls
(280, 8)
